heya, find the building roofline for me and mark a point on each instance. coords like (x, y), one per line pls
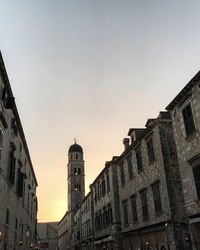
(183, 92)
(15, 112)
(150, 126)
(134, 129)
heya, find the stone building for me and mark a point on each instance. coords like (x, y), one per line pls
(149, 196)
(185, 113)
(106, 214)
(150, 190)
(76, 229)
(48, 235)
(64, 232)
(87, 222)
(18, 201)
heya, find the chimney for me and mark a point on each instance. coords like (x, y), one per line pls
(126, 143)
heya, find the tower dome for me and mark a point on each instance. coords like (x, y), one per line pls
(75, 148)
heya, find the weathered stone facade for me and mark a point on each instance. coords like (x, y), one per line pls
(48, 235)
(86, 222)
(149, 196)
(106, 208)
(185, 113)
(150, 191)
(65, 232)
(18, 201)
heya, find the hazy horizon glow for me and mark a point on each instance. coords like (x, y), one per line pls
(91, 70)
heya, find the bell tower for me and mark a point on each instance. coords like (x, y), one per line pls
(76, 176)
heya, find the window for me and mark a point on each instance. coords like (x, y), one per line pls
(139, 160)
(188, 119)
(79, 171)
(122, 174)
(103, 186)
(1, 142)
(28, 201)
(75, 171)
(11, 167)
(196, 173)
(104, 217)
(77, 187)
(96, 221)
(108, 182)
(7, 215)
(125, 212)
(20, 183)
(14, 126)
(156, 198)
(150, 151)
(99, 191)
(16, 223)
(143, 197)
(130, 167)
(95, 193)
(134, 208)
(109, 215)
(76, 156)
(100, 220)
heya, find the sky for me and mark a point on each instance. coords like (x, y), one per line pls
(92, 69)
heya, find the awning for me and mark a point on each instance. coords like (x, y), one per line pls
(98, 242)
(108, 239)
(195, 220)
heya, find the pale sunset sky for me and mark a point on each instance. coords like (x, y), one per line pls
(92, 69)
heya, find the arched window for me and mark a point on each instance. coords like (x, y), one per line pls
(76, 156)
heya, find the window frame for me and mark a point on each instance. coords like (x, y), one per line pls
(133, 201)
(150, 150)
(157, 198)
(188, 121)
(122, 175)
(139, 160)
(197, 182)
(130, 166)
(144, 204)
(125, 212)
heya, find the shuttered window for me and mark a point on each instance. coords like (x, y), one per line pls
(196, 172)
(134, 208)
(156, 198)
(188, 119)
(150, 150)
(130, 167)
(143, 197)
(139, 160)
(122, 174)
(11, 167)
(125, 212)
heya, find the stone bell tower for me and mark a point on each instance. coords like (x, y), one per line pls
(76, 176)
